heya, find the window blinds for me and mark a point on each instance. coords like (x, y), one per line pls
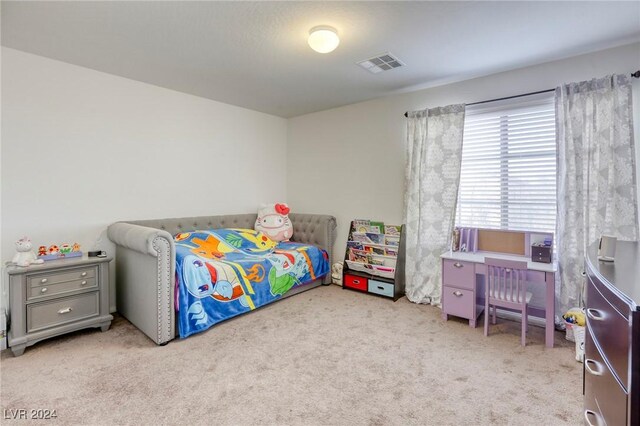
(508, 172)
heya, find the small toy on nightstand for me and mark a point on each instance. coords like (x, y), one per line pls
(63, 252)
(24, 256)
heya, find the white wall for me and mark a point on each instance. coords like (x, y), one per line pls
(82, 149)
(352, 157)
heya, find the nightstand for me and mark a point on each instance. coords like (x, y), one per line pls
(55, 298)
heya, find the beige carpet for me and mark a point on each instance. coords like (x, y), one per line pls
(327, 356)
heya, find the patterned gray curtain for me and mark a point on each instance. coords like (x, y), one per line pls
(434, 154)
(596, 174)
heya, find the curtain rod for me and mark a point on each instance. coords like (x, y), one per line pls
(633, 74)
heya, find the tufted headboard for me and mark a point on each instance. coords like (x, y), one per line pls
(186, 224)
(313, 229)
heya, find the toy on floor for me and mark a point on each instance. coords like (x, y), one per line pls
(575, 316)
(575, 321)
(24, 256)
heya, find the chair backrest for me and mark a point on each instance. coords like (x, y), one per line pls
(506, 280)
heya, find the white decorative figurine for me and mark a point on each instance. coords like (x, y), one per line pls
(24, 255)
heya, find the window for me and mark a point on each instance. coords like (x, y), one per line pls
(508, 174)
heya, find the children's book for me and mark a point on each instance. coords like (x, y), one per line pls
(361, 225)
(375, 238)
(358, 256)
(354, 244)
(391, 251)
(392, 230)
(376, 259)
(373, 249)
(377, 227)
(360, 237)
(392, 240)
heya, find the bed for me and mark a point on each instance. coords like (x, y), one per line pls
(150, 265)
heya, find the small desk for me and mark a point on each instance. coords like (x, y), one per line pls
(460, 290)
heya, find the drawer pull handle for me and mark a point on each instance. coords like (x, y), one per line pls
(457, 294)
(595, 314)
(588, 413)
(356, 281)
(587, 366)
(458, 265)
(84, 274)
(44, 280)
(65, 310)
(44, 290)
(83, 282)
(380, 287)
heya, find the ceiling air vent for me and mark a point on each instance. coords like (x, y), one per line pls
(384, 62)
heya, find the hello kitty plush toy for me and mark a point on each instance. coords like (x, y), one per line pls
(273, 221)
(24, 255)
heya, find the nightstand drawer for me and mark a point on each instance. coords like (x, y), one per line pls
(459, 274)
(458, 302)
(355, 281)
(61, 311)
(46, 291)
(383, 289)
(49, 278)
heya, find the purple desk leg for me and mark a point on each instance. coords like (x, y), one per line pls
(550, 308)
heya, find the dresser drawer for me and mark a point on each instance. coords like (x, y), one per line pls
(61, 311)
(611, 330)
(378, 287)
(355, 281)
(64, 275)
(458, 274)
(458, 302)
(46, 291)
(605, 400)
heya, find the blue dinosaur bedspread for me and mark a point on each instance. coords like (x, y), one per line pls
(226, 272)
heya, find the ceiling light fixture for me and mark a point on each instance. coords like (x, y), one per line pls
(323, 39)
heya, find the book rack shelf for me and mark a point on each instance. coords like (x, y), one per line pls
(374, 259)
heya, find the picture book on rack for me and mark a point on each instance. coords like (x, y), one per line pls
(360, 225)
(392, 230)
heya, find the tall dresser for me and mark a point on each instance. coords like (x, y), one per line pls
(612, 344)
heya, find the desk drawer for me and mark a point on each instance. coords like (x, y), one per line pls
(603, 397)
(610, 329)
(458, 302)
(355, 281)
(61, 311)
(458, 274)
(378, 287)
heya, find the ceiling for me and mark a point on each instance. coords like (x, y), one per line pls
(255, 55)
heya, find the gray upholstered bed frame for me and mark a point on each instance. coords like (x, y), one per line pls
(145, 263)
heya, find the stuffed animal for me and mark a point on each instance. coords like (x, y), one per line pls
(336, 273)
(273, 221)
(24, 255)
